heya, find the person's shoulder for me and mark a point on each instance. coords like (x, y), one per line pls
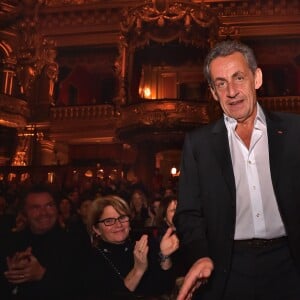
(284, 114)
(57, 230)
(20, 235)
(284, 117)
(59, 236)
(15, 241)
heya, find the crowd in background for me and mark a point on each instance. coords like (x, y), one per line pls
(143, 200)
(151, 213)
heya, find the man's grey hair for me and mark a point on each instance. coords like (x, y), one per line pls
(226, 48)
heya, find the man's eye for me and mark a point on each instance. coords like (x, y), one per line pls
(220, 84)
(240, 78)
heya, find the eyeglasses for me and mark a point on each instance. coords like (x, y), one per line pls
(112, 221)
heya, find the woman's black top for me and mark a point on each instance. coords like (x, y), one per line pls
(109, 264)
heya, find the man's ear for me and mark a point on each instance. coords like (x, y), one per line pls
(214, 94)
(258, 78)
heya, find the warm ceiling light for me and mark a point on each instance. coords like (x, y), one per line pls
(88, 173)
(147, 92)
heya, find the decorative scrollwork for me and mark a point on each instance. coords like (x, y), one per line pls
(155, 118)
(36, 54)
(181, 15)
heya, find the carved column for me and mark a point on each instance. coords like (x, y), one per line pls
(46, 153)
(8, 76)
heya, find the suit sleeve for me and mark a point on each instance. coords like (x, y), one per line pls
(189, 218)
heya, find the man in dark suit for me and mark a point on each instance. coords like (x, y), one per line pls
(238, 214)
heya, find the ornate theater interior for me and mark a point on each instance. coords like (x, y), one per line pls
(108, 88)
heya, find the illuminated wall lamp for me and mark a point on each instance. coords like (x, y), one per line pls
(173, 171)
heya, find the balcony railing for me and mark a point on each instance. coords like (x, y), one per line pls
(86, 112)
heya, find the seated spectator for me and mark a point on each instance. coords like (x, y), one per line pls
(20, 222)
(40, 261)
(66, 213)
(153, 212)
(74, 196)
(169, 192)
(7, 220)
(119, 267)
(78, 227)
(79, 224)
(139, 209)
(167, 210)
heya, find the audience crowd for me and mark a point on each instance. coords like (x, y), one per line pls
(50, 247)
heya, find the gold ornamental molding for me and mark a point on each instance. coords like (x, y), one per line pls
(87, 24)
(161, 116)
(165, 113)
(258, 18)
(9, 12)
(162, 123)
(164, 21)
(54, 3)
(95, 22)
(13, 112)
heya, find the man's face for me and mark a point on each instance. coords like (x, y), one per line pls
(234, 86)
(41, 212)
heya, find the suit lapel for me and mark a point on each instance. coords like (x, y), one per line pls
(276, 135)
(222, 152)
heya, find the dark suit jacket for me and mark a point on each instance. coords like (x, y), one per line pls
(205, 216)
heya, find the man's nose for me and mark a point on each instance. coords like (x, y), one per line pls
(232, 92)
(43, 210)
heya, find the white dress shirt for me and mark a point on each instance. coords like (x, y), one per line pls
(257, 213)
